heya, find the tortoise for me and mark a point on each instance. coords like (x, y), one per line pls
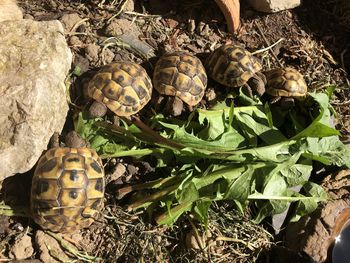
(124, 87)
(182, 75)
(67, 189)
(233, 66)
(285, 84)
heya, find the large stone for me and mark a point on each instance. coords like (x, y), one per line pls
(34, 62)
(314, 233)
(272, 6)
(9, 10)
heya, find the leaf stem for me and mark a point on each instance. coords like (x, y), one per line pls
(154, 197)
(156, 136)
(137, 152)
(14, 211)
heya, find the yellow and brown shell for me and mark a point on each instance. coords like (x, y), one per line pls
(182, 75)
(124, 87)
(67, 189)
(285, 82)
(232, 65)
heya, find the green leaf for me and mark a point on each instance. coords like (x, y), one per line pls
(328, 150)
(254, 121)
(307, 206)
(239, 189)
(170, 217)
(201, 209)
(227, 142)
(320, 126)
(215, 123)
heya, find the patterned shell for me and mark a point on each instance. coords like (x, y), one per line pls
(124, 87)
(232, 65)
(67, 189)
(285, 82)
(180, 74)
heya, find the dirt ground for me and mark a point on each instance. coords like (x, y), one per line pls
(311, 40)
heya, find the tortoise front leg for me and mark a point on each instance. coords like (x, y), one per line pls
(259, 81)
(257, 84)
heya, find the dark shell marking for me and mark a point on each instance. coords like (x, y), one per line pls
(285, 82)
(180, 74)
(67, 185)
(232, 65)
(124, 87)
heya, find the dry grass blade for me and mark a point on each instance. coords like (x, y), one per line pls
(71, 250)
(267, 43)
(268, 48)
(120, 9)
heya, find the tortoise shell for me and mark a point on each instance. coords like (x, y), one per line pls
(182, 75)
(67, 189)
(124, 87)
(232, 65)
(285, 82)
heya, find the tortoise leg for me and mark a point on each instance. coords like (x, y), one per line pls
(257, 83)
(247, 90)
(97, 109)
(174, 106)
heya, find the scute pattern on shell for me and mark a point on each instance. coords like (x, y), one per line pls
(285, 82)
(180, 74)
(232, 65)
(124, 87)
(67, 189)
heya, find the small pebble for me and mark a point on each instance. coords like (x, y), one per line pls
(119, 171)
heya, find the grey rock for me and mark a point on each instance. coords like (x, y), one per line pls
(128, 33)
(34, 62)
(272, 6)
(9, 10)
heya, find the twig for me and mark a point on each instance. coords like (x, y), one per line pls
(343, 103)
(122, 6)
(196, 234)
(342, 59)
(78, 24)
(231, 239)
(268, 43)
(269, 47)
(142, 15)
